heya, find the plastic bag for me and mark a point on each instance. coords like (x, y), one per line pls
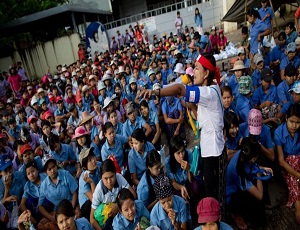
(162, 154)
(101, 213)
(112, 157)
(196, 163)
(13, 219)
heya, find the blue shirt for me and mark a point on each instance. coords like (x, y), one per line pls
(64, 189)
(223, 226)
(164, 74)
(121, 223)
(264, 137)
(136, 162)
(256, 78)
(259, 96)
(159, 217)
(198, 20)
(243, 107)
(143, 189)
(15, 133)
(181, 175)
(247, 62)
(277, 53)
(16, 187)
(83, 224)
(33, 190)
(153, 118)
(119, 128)
(128, 127)
(292, 37)
(282, 92)
(285, 61)
(255, 29)
(286, 106)
(234, 85)
(234, 180)
(66, 154)
(167, 108)
(116, 150)
(267, 59)
(233, 143)
(85, 187)
(263, 12)
(282, 137)
(103, 195)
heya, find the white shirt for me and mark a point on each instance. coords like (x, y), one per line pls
(210, 118)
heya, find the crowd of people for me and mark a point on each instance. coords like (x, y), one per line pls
(82, 149)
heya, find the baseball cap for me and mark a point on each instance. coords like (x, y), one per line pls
(295, 87)
(245, 85)
(290, 70)
(129, 108)
(291, 47)
(241, 50)
(25, 148)
(31, 119)
(85, 153)
(171, 77)
(266, 75)
(33, 101)
(255, 122)
(208, 210)
(47, 114)
(258, 58)
(58, 99)
(5, 162)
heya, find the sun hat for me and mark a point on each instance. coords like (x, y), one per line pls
(241, 50)
(79, 132)
(5, 162)
(47, 114)
(33, 101)
(177, 51)
(295, 87)
(106, 77)
(92, 77)
(208, 210)
(107, 101)
(266, 75)
(245, 85)
(189, 71)
(40, 90)
(290, 70)
(58, 99)
(162, 187)
(101, 86)
(25, 148)
(85, 88)
(132, 80)
(121, 69)
(179, 68)
(129, 108)
(258, 58)
(291, 47)
(85, 152)
(238, 65)
(85, 117)
(32, 118)
(255, 122)
(171, 77)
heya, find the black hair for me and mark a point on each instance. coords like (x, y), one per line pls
(64, 207)
(211, 74)
(108, 125)
(108, 166)
(139, 135)
(176, 144)
(282, 36)
(291, 25)
(124, 195)
(250, 148)
(245, 30)
(230, 118)
(96, 99)
(226, 89)
(293, 110)
(31, 164)
(86, 159)
(53, 139)
(253, 12)
(198, 11)
(87, 143)
(144, 103)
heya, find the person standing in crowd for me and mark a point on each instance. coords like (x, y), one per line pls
(178, 24)
(114, 46)
(266, 13)
(21, 71)
(81, 52)
(198, 20)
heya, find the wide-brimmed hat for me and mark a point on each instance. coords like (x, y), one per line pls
(107, 101)
(101, 86)
(85, 152)
(121, 69)
(238, 65)
(85, 88)
(79, 132)
(106, 77)
(92, 77)
(85, 117)
(179, 68)
(41, 90)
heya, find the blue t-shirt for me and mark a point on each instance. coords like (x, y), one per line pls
(128, 127)
(83, 224)
(223, 226)
(243, 107)
(259, 96)
(33, 190)
(282, 92)
(263, 12)
(255, 29)
(143, 189)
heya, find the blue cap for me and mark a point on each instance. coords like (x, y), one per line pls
(5, 162)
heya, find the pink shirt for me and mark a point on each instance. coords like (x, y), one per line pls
(214, 40)
(15, 81)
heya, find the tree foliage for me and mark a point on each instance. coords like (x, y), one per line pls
(13, 9)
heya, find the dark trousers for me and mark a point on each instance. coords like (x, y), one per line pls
(210, 169)
(86, 209)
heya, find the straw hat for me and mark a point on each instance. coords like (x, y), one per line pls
(86, 116)
(238, 65)
(85, 88)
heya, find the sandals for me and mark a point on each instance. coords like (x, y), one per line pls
(239, 221)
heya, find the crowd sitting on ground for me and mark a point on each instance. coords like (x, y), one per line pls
(82, 149)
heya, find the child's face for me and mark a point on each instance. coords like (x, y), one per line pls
(288, 30)
(238, 74)
(109, 179)
(233, 131)
(296, 97)
(113, 118)
(28, 156)
(265, 85)
(290, 79)
(133, 86)
(242, 57)
(227, 99)
(244, 36)
(260, 65)
(32, 173)
(291, 55)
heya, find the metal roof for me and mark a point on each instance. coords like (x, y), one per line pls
(54, 17)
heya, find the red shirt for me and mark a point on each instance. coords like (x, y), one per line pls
(81, 54)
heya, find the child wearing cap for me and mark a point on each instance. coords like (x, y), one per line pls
(239, 70)
(243, 57)
(209, 215)
(170, 210)
(288, 154)
(165, 71)
(61, 114)
(87, 98)
(254, 127)
(290, 73)
(27, 155)
(102, 92)
(132, 89)
(32, 191)
(88, 180)
(259, 62)
(295, 92)
(290, 58)
(107, 191)
(244, 187)
(14, 129)
(244, 102)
